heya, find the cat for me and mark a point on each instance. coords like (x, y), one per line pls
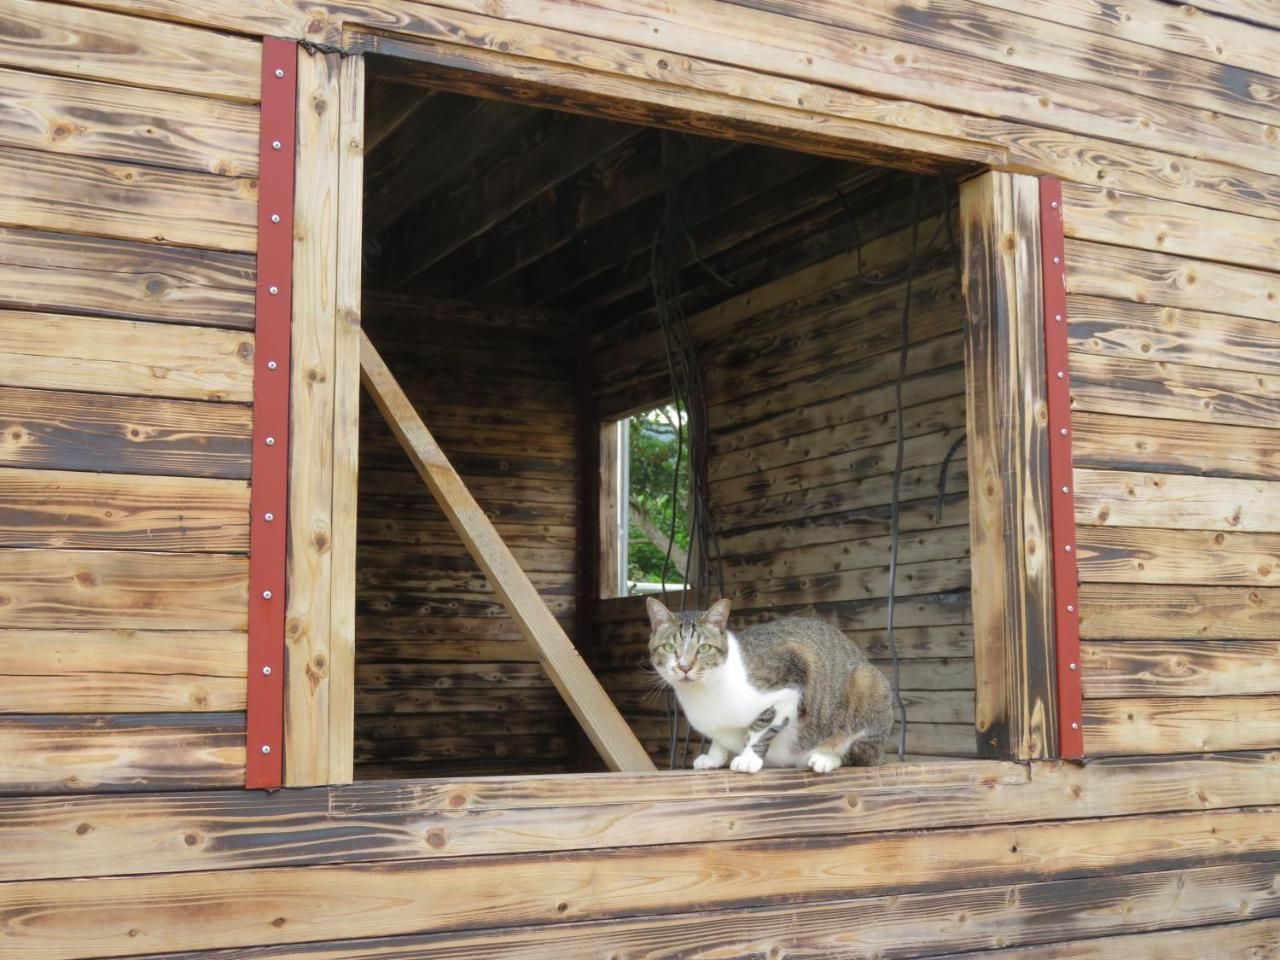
(787, 693)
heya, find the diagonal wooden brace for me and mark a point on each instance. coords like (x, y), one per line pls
(591, 706)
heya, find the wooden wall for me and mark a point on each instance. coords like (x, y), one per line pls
(1173, 859)
(445, 683)
(127, 236)
(800, 377)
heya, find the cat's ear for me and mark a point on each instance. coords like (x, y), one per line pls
(718, 616)
(659, 616)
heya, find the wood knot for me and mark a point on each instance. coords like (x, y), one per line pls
(279, 922)
(244, 350)
(83, 828)
(86, 579)
(191, 840)
(457, 800)
(561, 907)
(436, 839)
(155, 286)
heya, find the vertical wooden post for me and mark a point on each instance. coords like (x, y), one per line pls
(309, 567)
(1008, 467)
(611, 499)
(346, 422)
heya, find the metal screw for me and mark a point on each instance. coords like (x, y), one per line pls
(1057, 317)
(271, 441)
(280, 73)
(266, 748)
(1054, 204)
(1071, 608)
(268, 517)
(266, 671)
(1057, 259)
(273, 290)
(1066, 489)
(1072, 665)
(1063, 431)
(1075, 726)
(1067, 548)
(1061, 374)
(275, 144)
(266, 594)
(275, 218)
(271, 364)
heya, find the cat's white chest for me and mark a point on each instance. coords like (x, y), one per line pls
(724, 703)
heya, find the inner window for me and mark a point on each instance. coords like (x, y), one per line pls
(575, 305)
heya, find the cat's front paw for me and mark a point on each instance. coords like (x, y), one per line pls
(822, 761)
(747, 762)
(706, 761)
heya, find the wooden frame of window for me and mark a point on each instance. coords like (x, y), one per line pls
(1012, 584)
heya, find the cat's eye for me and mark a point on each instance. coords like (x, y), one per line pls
(704, 648)
(668, 647)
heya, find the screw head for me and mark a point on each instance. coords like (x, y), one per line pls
(275, 218)
(1057, 259)
(273, 290)
(1072, 666)
(271, 364)
(268, 517)
(1063, 431)
(266, 748)
(266, 594)
(1054, 204)
(1067, 548)
(1075, 726)
(1066, 489)
(1071, 608)
(266, 671)
(271, 441)
(275, 144)
(1057, 317)
(280, 73)
(1061, 374)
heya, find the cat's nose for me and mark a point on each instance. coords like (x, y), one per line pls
(683, 668)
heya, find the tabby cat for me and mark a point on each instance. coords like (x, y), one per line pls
(787, 693)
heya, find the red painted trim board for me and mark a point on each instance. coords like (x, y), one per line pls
(269, 497)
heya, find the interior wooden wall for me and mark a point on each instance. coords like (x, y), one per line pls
(799, 376)
(128, 211)
(445, 684)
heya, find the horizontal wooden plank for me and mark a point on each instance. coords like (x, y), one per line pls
(1127, 499)
(93, 918)
(57, 430)
(1122, 219)
(1174, 446)
(103, 511)
(941, 543)
(928, 576)
(128, 125)
(110, 754)
(372, 821)
(128, 202)
(120, 693)
(1180, 668)
(1147, 612)
(1153, 555)
(1143, 276)
(1173, 391)
(80, 42)
(46, 589)
(52, 352)
(897, 927)
(117, 278)
(1142, 331)
(1132, 727)
(68, 652)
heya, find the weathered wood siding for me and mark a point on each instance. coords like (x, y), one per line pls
(800, 377)
(1118, 859)
(127, 237)
(445, 683)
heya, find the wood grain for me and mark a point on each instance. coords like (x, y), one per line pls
(1103, 441)
(127, 125)
(1126, 499)
(99, 589)
(61, 430)
(1131, 727)
(127, 202)
(102, 511)
(1154, 555)
(54, 352)
(111, 754)
(1181, 668)
(1143, 612)
(116, 278)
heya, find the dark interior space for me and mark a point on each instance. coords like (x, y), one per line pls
(510, 257)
